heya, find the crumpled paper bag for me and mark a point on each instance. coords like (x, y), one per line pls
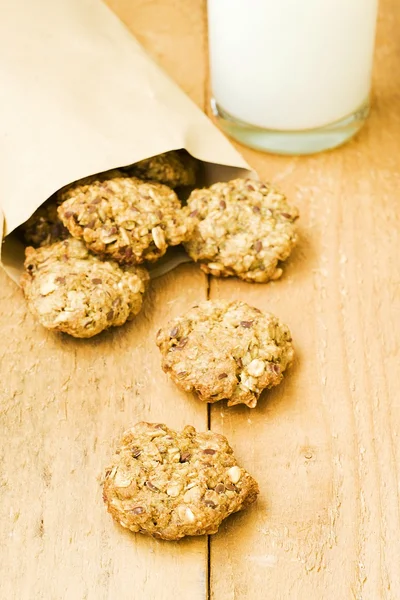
(79, 96)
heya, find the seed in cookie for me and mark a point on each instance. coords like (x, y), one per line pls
(70, 290)
(175, 169)
(154, 494)
(245, 228)
(232, 351)
(124, 218)
(44, 227)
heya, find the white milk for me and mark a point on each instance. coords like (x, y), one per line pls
(291, 64)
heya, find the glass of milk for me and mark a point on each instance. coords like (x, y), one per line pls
(291, 76)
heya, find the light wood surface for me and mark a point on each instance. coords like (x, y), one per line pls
(324, 445)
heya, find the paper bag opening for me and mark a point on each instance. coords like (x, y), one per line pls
(80, 97)
(12, 251)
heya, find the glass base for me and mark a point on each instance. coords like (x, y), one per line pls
(306, 141)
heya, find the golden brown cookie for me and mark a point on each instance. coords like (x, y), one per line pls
(44, 227)
(169, 484)
(226, 350)
(124, 218)
(70, 290)
(245, 228)
(175, 169)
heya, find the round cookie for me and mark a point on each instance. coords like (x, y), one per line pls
(175, 169)
(70, 290)
(124, 218)
(170, 484)
(44, 227)
(226, 350)
(245, 228)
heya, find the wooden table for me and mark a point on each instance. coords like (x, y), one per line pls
(324, 445)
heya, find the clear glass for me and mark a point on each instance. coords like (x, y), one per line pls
(291, 76)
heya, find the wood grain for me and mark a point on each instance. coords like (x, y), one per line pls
(65, 402)
(324, 445)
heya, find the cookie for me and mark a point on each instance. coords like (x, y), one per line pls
(124, 218)
(226, 350)
(44, 227)
(70, 290)
(175, 169)
(245, 228)
(170, 484)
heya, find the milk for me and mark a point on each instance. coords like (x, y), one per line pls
(291, 64)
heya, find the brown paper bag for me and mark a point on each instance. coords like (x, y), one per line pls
(79, 96)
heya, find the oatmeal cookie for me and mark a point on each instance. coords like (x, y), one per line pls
(175, 169)
(124, 218)
(244, 229)
(70, 290)
(225, 350)
(169, 484)
(44, 227)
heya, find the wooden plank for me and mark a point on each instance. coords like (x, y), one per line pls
(324, 445)
(64, 403)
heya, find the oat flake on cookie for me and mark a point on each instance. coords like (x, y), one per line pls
(72, 291)
(226, 350)
(124, 218)
(244, 228)
(170, 484)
